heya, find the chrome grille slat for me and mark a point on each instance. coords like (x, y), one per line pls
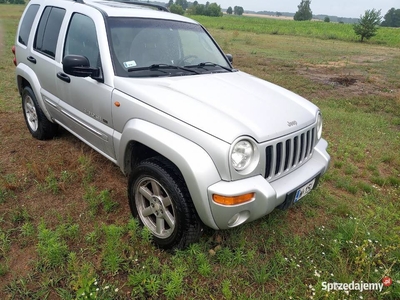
(268, 161)
(290, 157)
(283, 158)
(307, 143)
(278, 158)
(303, 147)
(297, 150)
(312, 139)
(286, 154)
(301, 140)
(273, 165)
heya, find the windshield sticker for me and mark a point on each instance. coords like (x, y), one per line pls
(130, 64)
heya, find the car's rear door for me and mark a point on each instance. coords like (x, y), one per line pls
(41, 58)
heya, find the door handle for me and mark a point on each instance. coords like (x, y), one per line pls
(64, 77)
(31, 59)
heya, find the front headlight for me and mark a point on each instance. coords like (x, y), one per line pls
(319, 126)
(244, 156)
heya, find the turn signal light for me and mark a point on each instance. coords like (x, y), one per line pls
(14, 59)
(233, 200)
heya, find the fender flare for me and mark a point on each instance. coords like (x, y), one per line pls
(24, 72)
(196, 166)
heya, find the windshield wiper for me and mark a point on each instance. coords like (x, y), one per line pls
(162, 67)
(210, 64)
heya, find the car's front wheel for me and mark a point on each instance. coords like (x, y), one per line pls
(159, 198)
(39, 126)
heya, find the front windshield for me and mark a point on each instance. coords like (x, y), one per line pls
(153, 47)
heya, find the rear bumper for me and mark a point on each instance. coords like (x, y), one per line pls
(267, 195)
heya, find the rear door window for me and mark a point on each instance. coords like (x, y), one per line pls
(48, 30)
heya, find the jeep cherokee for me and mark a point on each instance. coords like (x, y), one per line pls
(202, 143)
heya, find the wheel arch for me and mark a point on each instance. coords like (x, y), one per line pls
(22, 83)
(27, 77)
(135, 153)
(141, 140)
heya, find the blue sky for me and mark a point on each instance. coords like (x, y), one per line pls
(340, 8)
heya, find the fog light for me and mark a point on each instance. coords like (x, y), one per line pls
(239, 218)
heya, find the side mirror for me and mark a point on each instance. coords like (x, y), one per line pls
(229, 57)
(79, 66)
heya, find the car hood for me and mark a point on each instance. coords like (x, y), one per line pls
(225, 105)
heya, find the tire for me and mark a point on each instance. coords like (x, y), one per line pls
(39, 126)
(160, 200)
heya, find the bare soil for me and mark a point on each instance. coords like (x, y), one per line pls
(352, 78)
(30, 161)
(25, 164)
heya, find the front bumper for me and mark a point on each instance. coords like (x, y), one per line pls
(267, 195)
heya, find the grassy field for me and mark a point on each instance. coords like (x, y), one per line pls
(65, 225)
(320, 30)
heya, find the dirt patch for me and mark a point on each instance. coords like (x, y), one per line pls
(300, 224)
(352, 83)
(350, 62)
(21, 262)
(343, 80)
(356, 75)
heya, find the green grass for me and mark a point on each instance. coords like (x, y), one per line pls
(9, 17)
(65, 226)
(321, 30)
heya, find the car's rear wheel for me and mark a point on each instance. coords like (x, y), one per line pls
(39, 126)
(159, 198)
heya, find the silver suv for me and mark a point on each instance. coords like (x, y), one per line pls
(201, 142)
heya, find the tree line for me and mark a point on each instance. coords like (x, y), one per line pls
(209, 9)
(182, 6)
(12, 1)
(392, 18)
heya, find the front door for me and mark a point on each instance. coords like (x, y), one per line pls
(85, 103)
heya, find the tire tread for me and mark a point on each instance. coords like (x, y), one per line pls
(46, 129)
(192, 227)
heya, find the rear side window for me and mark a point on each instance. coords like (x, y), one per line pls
(26, 24)
(48, 30)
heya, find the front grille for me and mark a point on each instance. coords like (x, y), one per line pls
(288, 153)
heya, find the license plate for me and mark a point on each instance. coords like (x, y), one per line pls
(301, 192)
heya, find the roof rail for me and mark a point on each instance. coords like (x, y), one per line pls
(79, 1)
(159, 7)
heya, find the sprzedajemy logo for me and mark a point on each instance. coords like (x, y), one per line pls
(357, 286)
